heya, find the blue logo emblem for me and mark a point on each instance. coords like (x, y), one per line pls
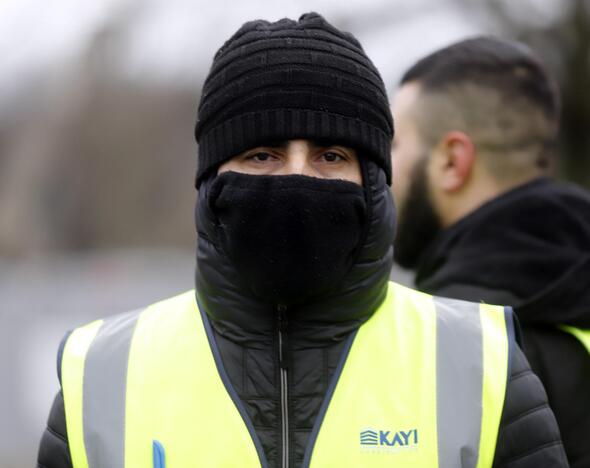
(159, 454)
(369, 437)
(389, 439)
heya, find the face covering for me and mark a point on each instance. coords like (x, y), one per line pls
(290, 238)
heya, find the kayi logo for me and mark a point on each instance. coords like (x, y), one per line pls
(380, 439)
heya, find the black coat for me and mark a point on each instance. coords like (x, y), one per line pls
(530, 248)
(246, 332)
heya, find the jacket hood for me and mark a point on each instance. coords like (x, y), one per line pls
(240, 316)
(528, 248)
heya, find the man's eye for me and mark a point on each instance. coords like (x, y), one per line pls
(332, 157)
(260, 157)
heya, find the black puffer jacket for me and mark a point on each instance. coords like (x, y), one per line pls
(314, 335)
(530, 248)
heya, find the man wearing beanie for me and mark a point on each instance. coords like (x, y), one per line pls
(294, 349)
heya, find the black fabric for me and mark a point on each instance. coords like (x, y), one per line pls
(287, 80)
(530, 248)
(241, 315)
(253, 371)
(315, 326)
(53, 450)
(290, 238)
(528, 436)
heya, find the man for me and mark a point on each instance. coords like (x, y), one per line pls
(295, 350)
(479, 217)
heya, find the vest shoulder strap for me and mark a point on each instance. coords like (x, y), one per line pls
(583, 335)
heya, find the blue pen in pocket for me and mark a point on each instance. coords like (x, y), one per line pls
(159, 458)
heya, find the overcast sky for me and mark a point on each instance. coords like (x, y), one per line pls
(176, 39)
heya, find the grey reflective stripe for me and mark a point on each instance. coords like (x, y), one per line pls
(459, 379)
(104, 390)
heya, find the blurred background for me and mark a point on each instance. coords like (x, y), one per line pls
(97, 158)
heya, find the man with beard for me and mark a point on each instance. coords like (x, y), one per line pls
(294, 350)
(481, 220)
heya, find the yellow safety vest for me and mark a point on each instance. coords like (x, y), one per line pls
(582, 334)
(421, 384)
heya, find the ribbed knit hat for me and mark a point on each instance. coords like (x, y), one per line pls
(273, 82)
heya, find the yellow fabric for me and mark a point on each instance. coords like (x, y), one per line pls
(495, 376)
(581, 334)
(176, 396)
(393, 357)
(72, 378)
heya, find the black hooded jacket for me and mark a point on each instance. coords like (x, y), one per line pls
(314, 335)
(530, 248)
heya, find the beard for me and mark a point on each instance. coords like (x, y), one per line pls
(418, 223)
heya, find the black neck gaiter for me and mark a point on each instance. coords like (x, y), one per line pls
(290, 238)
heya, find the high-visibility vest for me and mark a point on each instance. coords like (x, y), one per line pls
(582, 334)
(421, 384)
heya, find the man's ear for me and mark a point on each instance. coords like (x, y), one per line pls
(455, 160)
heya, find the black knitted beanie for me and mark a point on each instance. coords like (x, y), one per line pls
(272, 82)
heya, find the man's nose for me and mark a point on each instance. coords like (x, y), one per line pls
(298, 163)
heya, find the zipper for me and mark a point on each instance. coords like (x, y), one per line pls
(283, 366)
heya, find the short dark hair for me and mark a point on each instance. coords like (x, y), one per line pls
(489, 61)
(511, 76)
